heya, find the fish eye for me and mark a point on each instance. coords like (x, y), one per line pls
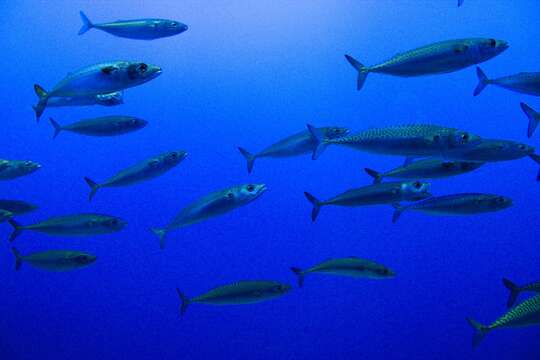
(521, 147)
(174, 23)
(114, 222)
(28, 163)
(500, 200)
(436, 138)
(250, 188)
(143, 67)
(417, 185)
(492, 43)
(465, 136)
(173, 156)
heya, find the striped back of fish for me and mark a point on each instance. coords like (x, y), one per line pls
(394, 132)
(526, 313)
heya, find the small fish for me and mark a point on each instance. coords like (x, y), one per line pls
(525, 314)
(438, 58)
(72, 225)
(54, 260)
(12, 169)
(140, 29)
(142, 171)
(533, 116)
(350, 266)
(297, 144)
(376, 194)
(456, 204)
(493, 150)
(524, 82)
(111, 99)
(102, 126)
(515, 290)
(17, 207)
(211, 205)
(98, 79)
(239, 293)
(406, 140)
(426, 169)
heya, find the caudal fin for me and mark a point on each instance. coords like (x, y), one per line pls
(536, 159)
(362, 71)
(184, 301)
(316, 205)
(481, 331)
(161, 234)
(18, 258)
(300, 274)
(57, 127)
(42, 103)
(320, 141)
(514, 292)
(87, 24)
(482, 81)
(250, 158)
(533, 116)
(398, 210)
(93, 187)
(377, 177)
(17, 229)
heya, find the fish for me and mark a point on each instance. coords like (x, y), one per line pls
(456, 204)
(523, 82)
(515, 290)
(351, 266)
(426, 169)
(142, 171)
(72, 225)
(214, 204)
(97, 79)
(534, 118)
(238, 293)
(376, 194)
(111, 99)
(437, 58)
(12, 169)
(17, 207)
(525, 314)
(493, 150)
(102, 126)
(5, 215)
(418, 140)
(139, 29)
(294, 145)
(54, 260)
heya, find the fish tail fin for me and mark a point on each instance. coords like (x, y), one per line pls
(18, 258)
(161, 233)
(316, 205)
(514, 292)
(94, 186)
(459, 3)
(533, 116)
(184, 301)
(42, 103)
(377, 177)
(250, 158)
(17, 229)
(87, 24)
(298, 272)
(320, 142)
(536, 159)
(481, 331)
(362, 71)
(398, 210)
(482, 81)
(57, 127)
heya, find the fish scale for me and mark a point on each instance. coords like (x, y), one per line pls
(394, 132)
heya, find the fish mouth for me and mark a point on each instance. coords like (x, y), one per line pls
(261, 190)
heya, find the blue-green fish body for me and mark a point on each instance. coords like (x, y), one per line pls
(5, 215)
(211, 205)
(12, 169)
(102, 126)
(111, 99)
(139, 29)
(515, 290)
(493, 150)
(524, 82)
(17, 207)
(437, 58)
(239, 293)
(298, 144)
(54, 260)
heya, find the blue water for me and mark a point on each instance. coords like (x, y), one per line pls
(247, 74)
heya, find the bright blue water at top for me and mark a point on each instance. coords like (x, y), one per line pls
(247, 74)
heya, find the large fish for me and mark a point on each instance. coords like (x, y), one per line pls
(515, 290)
(142, 171)
(297, 144)
(139, 29)
(376, 194)
(72, 225)
(525, 314)
(111, 99)
(405, 140)
(98, 79)
(493, 150)
(350, 266)
(533, 116)
(438, 58)
(524, 82)
(211, 205)
(12, 169)
(17, 207)
(456, 204)
(426, 169)
(102, 126)
(239, 293)
(54, 260)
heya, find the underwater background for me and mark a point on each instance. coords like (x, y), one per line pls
(248, 73)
